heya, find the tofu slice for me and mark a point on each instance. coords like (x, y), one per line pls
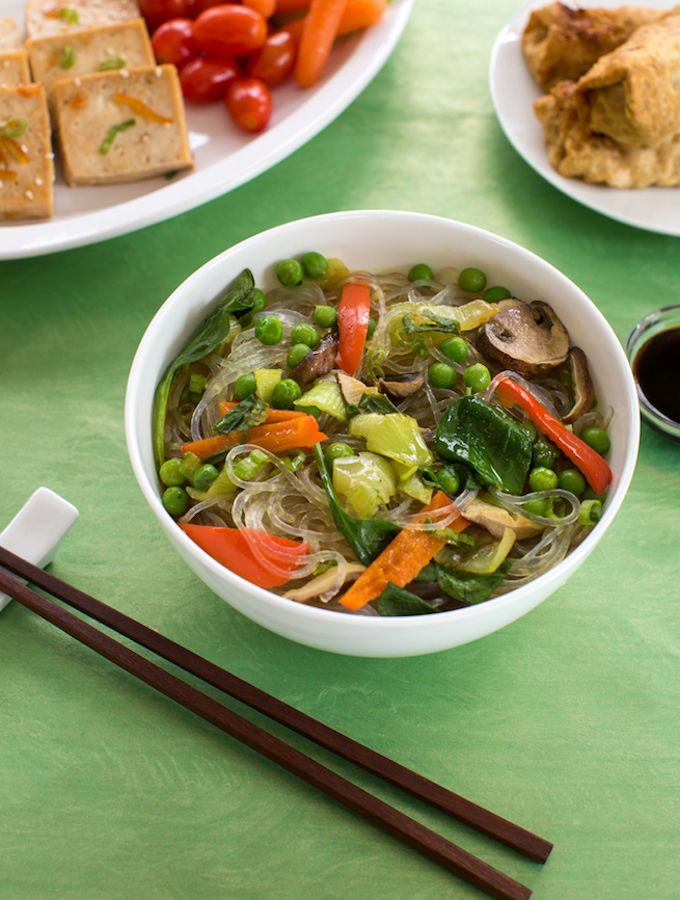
(13, 59)
(48, 17)
(109, 47)
(121, 126)
(26, 158)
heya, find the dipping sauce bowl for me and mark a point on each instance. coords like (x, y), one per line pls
(653, 350)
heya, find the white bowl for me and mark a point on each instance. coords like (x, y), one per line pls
(382, 240)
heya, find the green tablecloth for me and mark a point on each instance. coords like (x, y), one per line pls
(566, 721)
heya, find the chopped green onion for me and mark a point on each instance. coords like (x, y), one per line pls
(109, 64)
(70, 15)
(14, 128)
(111, 136)
(68, 57)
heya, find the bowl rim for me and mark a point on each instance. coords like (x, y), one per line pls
(375, 623)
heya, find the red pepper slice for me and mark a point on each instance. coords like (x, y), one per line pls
(354, 313)
(593, 467)
(232, 547)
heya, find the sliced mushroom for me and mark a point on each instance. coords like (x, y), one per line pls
(352, 389)
(496, 519)
(527, 337)
(583, 385)
(318, 361)
(397, 389)
(324, 582)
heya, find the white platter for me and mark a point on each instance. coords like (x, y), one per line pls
(513, 92)
(225, 158)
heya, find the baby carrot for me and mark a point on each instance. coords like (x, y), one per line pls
(319, 32)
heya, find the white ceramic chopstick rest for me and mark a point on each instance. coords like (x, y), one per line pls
(38, 529)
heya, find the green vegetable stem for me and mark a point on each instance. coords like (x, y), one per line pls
(214, 328)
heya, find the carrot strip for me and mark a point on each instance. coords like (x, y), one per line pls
(403, 558)
(275, 415)
(302, 431)
(358, 14)
(266, 8)
(319, 32)
(140, 107)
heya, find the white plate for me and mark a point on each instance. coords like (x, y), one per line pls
(225, 158)
(513, 92)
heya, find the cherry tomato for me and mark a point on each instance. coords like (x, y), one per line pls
(156, 12)
(249, 104)
(274, 61)
(229, 30)
(206, 79)
(173, 42)
(198, 6)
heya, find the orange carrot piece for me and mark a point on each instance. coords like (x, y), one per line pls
(302, 431)
(360, 14)
(275, 415)
(266, 8)
(319, 32)
(403, 558)
(140, 107)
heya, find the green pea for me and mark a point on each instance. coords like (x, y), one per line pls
(538, 507)
(442, 376)
(315, 265)
(544, 454)
(289, 272)
(472, 280)
(296, 354)
(448, 481)
(372, 325)
(170, 473)
(175, 501)
(338, 450)
(325, 316)
(454, 348)
(542, 479)
(421, 272)
(204, 477)
(259, 300)
(477, 377)
(285, 393)
(494, 294)
(269, 330)
(304, 334)
(571, 480)
(596, 438)
(244, 386)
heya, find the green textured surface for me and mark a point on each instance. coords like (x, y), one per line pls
(566, 721)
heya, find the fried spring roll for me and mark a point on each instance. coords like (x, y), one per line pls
(560, 43)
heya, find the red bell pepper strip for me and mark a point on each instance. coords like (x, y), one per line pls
(593, 467)
(234, 549)
(293, 434)
(354, 313)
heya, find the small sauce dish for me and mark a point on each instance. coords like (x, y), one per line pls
(653, 350)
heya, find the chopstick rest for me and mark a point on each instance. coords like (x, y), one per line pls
(37, 530)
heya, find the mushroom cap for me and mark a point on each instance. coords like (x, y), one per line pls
(526, 337)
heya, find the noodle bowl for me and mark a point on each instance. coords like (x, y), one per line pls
(380, 245)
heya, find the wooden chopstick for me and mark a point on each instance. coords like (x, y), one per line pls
(466, 866)
(485, 821)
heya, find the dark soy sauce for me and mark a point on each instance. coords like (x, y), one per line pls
(657, 369)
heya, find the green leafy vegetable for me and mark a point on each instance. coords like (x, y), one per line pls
(372, 403)
(247, 414)
(488, 439)
(396, 601)
(366, 537)
(237, 298)
(426, 320)
(468, 587)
